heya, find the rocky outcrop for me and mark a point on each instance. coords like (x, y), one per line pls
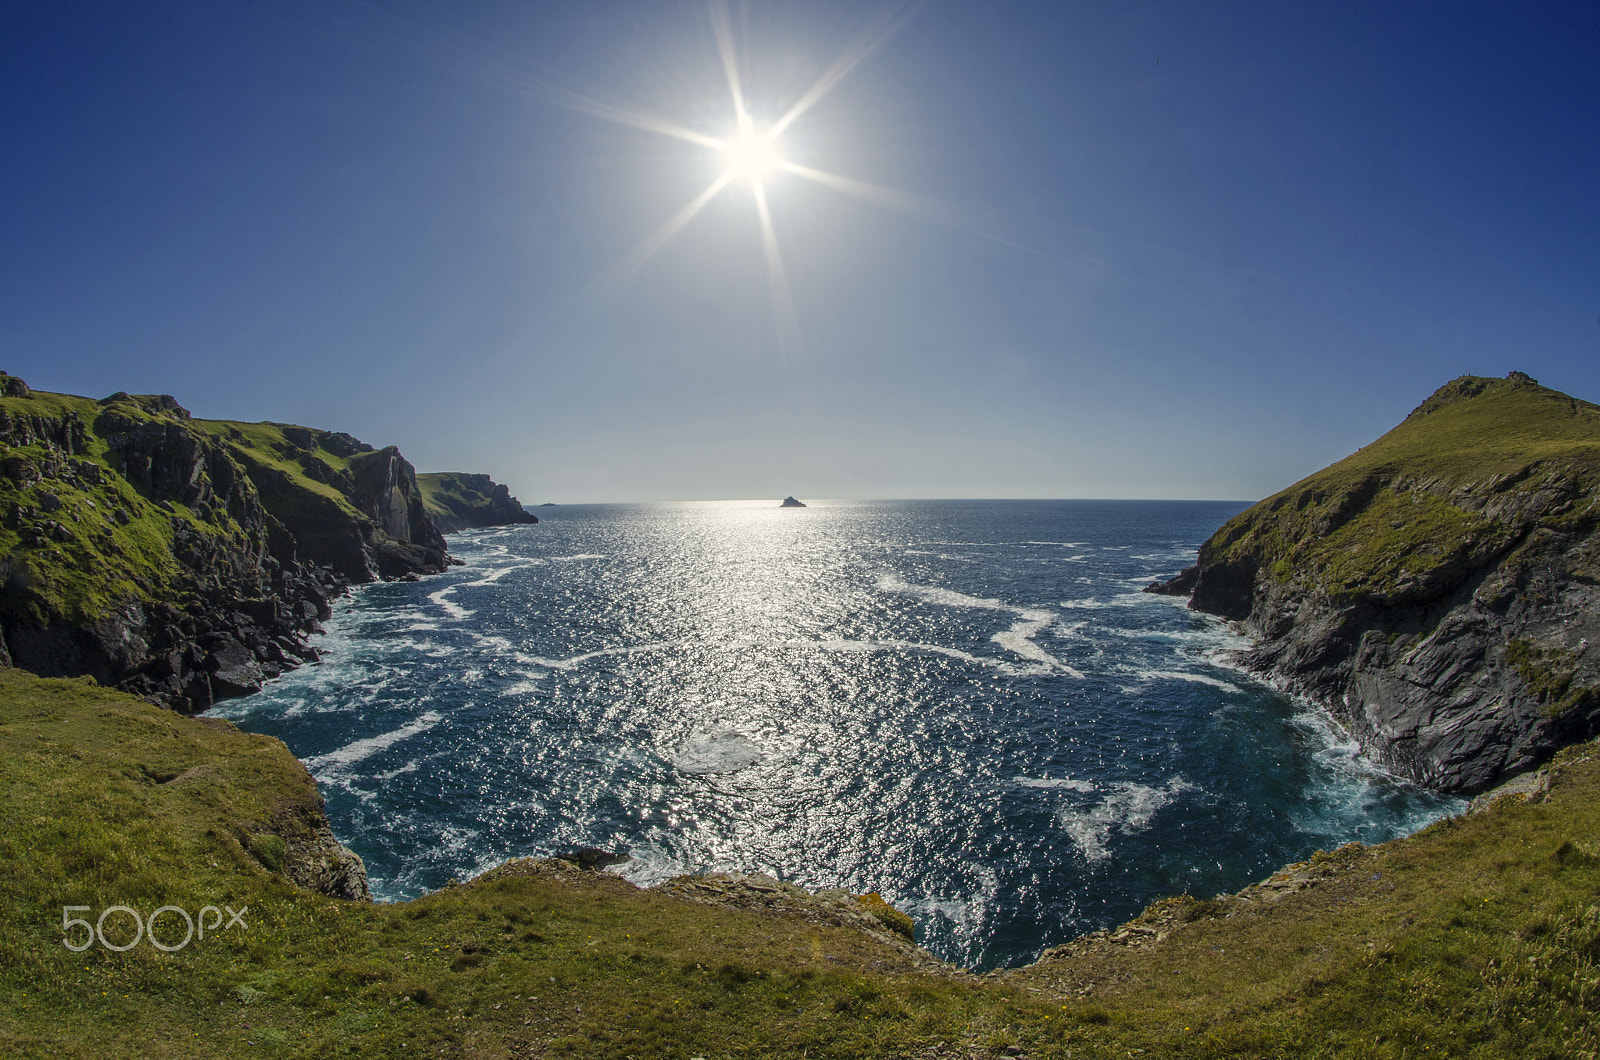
(459, 501)
(1438, 591)
(186, 560)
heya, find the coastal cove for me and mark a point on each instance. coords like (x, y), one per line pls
(988, 715)
(965, 706)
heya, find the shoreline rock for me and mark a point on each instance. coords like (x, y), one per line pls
(456, 500)
(1438, 591)
(183, 560)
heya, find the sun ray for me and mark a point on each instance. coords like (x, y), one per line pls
(927, 208)
(722, 27)
(645, 249)
(788, 323)
(494, 64)
(876, 34)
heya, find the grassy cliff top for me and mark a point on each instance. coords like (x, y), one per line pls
(458, 500)
(446, 493)
(1464, 474)
(1477, 937)
(96, 540)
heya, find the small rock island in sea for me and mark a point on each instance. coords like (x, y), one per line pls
(790, 502)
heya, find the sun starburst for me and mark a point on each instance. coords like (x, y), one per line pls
(751, 157)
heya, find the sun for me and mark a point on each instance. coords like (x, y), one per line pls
(751, 155)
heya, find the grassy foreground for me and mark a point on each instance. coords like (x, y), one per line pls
(1478, 937)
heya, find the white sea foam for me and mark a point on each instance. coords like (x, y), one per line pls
(1068, 783)
(649, 867)
(1183, 675)
(935, 595)
(1130, 808)
(451, 608)
(494, 574)
(409, 767)
(1001, 665)
(721, 750)
(600, 653)
(1017, 640)
(340, 760)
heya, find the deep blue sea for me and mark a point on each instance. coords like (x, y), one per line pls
(967, 706)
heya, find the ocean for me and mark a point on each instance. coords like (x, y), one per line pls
(966, 706)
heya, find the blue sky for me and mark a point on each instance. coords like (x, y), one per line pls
(1095, 250)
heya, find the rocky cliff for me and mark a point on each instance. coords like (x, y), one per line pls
(458, 501)
(1439, 590)
(185, 560)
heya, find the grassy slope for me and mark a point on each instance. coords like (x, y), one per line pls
(445, 495)
(450, 500)
(1477, 937)
(1399, 509)
(102, 562)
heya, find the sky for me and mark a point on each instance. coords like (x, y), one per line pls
(1009, 249)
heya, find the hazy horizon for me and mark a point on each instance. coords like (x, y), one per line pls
(1133, 251)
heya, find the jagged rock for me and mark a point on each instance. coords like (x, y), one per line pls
(1438, 591)
(256, 552)
(836, 907)
(593, 859)
(233, 668)
(458, 501)
(325, 865)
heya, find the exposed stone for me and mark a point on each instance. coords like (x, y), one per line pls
(258, 554)
(1476, 666)
(460, 501)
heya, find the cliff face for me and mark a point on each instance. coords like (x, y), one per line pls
(1439, 590)
(185, 560)
(458, 501)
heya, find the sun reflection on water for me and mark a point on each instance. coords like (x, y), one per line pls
(924, 701)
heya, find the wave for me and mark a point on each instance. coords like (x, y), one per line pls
(1181, 675)
(496, 573)
(1007, 668)
(451, 608)
(1017, 640)
(1054, 782)
(337, 761)
(600, 653)
(1130, 809)
(721, 750)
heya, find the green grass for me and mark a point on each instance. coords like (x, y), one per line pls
(99, 560)
(1477, 937)
(1442, 492)
(1548, 670)
(456, 500)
